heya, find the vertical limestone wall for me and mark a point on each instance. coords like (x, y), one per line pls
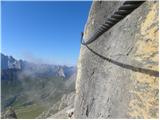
(127, 85)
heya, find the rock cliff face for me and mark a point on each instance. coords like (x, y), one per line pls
(127, 85)
(61, 109)
(9, 114)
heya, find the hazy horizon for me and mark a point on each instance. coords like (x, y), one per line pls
(35, 60)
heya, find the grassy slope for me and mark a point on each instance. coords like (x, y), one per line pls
(36, 84)
(30, 111)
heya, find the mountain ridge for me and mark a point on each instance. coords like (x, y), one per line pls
(33, 87)
(9, 62)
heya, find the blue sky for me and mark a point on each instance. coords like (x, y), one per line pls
(43, 31)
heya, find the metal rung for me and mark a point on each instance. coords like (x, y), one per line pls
(126, 7)
(123, 12)
(113, 19)
(117, 16)
(132, 2)
(102, 28)
(99, 30)
(109, 22)
(107, 26)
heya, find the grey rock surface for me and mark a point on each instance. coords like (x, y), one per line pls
(63, 114)
(61, 109)
(9, 114)
(116, 87)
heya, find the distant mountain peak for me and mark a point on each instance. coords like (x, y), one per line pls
(61, 73)
(9, 62)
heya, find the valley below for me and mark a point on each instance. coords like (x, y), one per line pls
(31, 89)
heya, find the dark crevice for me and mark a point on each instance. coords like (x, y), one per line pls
(87, 111)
